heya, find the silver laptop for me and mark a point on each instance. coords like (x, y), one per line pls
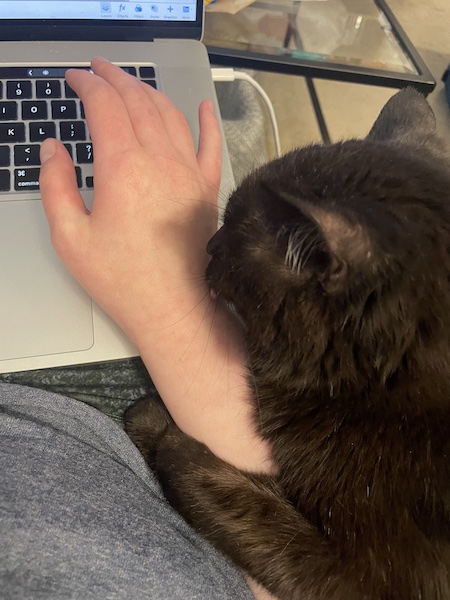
(46, 318)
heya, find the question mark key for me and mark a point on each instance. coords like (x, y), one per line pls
(85, 153)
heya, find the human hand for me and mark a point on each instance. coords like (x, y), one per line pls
(154, 204)
(141, 251)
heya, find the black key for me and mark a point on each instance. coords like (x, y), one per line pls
(89, 182)
(64, 109)
(85, 153)
(82, 113)
(78, 174)
(74, 131)
(8, 111)
(36, 109)
(41, 131)
(68, 91)
(18, 89)
(69, 149)
(147, 72)
(5, 181)
(12, 132)
(151, 82)
(26, 179)
(48, 89)
(1, 89)
(26, 155)
(5, 156)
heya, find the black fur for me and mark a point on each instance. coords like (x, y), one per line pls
(337, 260)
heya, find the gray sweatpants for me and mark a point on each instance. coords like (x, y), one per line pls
(82, 517)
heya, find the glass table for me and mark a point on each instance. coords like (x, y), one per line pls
(358, 41)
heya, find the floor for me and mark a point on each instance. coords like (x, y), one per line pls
(350, 109)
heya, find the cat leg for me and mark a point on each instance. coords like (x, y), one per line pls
(247, 518)
(146, 422)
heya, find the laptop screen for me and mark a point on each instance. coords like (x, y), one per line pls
(119, 20)
(163, 10)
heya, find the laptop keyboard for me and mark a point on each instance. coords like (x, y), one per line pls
(36, 103)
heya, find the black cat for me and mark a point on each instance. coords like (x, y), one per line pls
(337, 260)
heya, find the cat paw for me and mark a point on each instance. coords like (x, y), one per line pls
(146, 423)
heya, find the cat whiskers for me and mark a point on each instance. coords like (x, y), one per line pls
(301, 243)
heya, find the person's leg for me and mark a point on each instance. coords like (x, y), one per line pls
(82, 517)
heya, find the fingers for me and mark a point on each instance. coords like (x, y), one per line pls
(105, 110)
(173, 119)
(135, 111)
(152, 114)
(62, 201)
(209, 153)
(148, 122)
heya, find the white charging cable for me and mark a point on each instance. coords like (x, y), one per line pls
(228, 74)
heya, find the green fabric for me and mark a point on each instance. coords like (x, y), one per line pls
(110, 387)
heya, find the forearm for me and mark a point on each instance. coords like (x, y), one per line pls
(196, 360)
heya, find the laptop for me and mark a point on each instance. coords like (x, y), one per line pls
(46, 318)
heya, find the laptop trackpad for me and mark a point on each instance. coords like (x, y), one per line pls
(42, 309)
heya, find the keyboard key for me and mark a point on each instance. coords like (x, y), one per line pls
(147, 72)
(151, 82)
(5, 181)
(89, 182)
(12, 132)
(78, 174)
(34, 110)
(8, 111)
(5, 156)
(69, 149)
(48, 89)
(72, 131)
(26, 155)
(26, 179)
(68, 91)
(18, 89)
(84, 153)
(41, 131)
(64, 109)
(1, 89)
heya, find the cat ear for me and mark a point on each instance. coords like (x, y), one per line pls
(347, 242)
(335, 246)
(408, 119)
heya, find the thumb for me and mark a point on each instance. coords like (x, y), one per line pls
(61, 199)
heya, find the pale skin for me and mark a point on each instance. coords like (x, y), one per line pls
(140, 253)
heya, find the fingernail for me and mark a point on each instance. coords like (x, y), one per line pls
(48, 149)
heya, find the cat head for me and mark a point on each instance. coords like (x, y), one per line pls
(337, 258)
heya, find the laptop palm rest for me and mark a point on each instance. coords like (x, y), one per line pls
(43, 309)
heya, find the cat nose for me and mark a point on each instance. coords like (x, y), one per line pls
(215, 241)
